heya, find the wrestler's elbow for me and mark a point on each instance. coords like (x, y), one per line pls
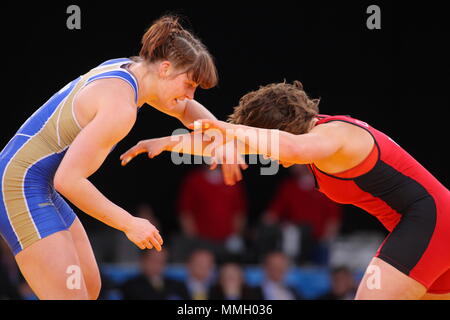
(63, 182)
(58, 182)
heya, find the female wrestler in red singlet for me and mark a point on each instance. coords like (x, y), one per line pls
(354, 163)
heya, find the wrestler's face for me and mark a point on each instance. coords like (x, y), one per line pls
(174, 87)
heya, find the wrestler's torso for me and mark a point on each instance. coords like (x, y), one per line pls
(41, 142)
(386, 181)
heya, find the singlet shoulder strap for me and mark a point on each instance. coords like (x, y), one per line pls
(119, 72)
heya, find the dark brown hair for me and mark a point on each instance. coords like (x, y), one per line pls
(280, 106)
(166, 39)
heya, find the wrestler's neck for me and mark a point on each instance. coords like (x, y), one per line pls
(145, 75)
(312, 124)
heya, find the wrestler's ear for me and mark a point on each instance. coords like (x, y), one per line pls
(165, 69)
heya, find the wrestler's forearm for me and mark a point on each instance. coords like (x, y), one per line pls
(190, 143)
(194, 111)
(276, 144)
(84, 195)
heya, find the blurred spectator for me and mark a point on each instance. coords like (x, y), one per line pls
(343, 286)
(308, 219)
(10, 276)
(212, 215)
(109, 289)
(276, 265)
(8, 290)
(200, 268)
(231, 285)
(25, 291)
(151, 284)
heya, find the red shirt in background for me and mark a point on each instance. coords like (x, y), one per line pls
(212, 204)
(298, 202)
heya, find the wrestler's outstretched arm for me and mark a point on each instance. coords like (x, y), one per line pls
(318, 144)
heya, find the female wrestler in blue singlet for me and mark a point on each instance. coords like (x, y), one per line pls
(69, 137)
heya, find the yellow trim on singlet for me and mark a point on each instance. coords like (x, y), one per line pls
(54, 137)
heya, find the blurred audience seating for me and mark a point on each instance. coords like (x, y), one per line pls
(311, 282)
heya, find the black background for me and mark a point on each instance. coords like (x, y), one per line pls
(395, 78)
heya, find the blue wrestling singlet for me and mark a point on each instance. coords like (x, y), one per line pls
(30, 207)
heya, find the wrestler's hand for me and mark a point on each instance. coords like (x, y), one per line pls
(231, 160)
(143, 234)
(152, 147)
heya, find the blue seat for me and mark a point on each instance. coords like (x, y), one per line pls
(311, 282)
(119, 274)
